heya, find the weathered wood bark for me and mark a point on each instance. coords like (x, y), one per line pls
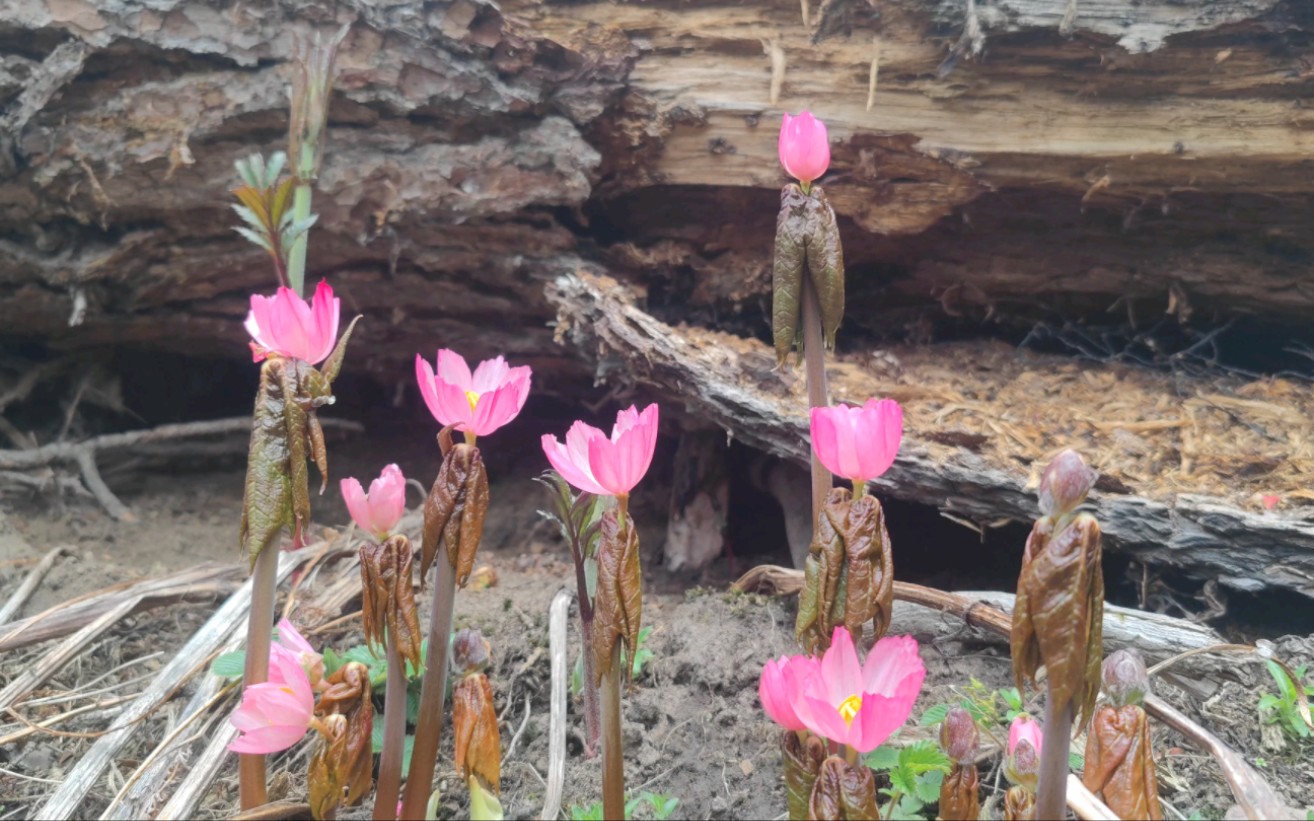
(1041, 159)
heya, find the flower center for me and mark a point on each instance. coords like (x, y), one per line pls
(472, 398)
(849, 708)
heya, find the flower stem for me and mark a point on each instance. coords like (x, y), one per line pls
(259, 630)
(394, 735)
(1051, 792)
(296, 257)
(591, 729)
(613, 756)
(429, 724)
(814, 368)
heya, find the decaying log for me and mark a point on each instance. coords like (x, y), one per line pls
(732, 383)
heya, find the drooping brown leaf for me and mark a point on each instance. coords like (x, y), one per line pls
(347, 694)
(454, 512)
(387, 597)
(843, 792)
(1120, 764)
(619, 602)
(849, 572)
(826, 263)
(474, 723)
(324, 777)
(802, 763)
(1019, 804)
(960, 794)
(1058, 617)
(807, 250)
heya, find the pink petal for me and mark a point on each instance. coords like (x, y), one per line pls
(387, 499)
(267, 740)
(1024, 728)
(562, 462)
(881, 715)
(840, 669)
(291, 638)
(890, 662)
(445, 401)
(490, 374)
(604, 458)
(325, 314)
(825, 440)
(258, 321)
(452, 369)
(776, 696)
(354, 495)
(878, 432)
(824, 719)
(804, 147)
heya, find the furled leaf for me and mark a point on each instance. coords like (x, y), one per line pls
(788, 269)
(1019, 804)
(1120, 764)
(474, 725)
(347, 694)
(387, 597)
(960, 794)
(843, 792)
(619, 602)
(802, 762)
(455, 509)
(326, 775)
(275, 494)
(848, 577)
(1058, 615)
(825, 256)
(484, 805)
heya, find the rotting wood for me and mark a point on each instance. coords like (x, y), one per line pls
(66, 799)
(732, 382)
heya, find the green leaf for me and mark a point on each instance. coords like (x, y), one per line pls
(923, 757)
(408, 746)
(1076, 761)
(928, 786)
(903, 779)
(229, 665)
(591, 578)
(254, 237)
(933, 715)
(577, 677)
(332, 661)
(1012, 698)
(592, 812)
(884, 757)
(1267, 701)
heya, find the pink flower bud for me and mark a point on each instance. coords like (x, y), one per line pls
(378, 511)
(858, 443)
(470, 651)
(1022, 764)
(1126, 680)
(594, 463)
(1065, 483)
(479, 403)
(804, 147)
(959, 736)
(285, 325)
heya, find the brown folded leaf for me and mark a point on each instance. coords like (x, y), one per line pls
(387, 597)
(802, 762)
(347, 694)
(826, 263)
(849, 572)
(1019, 804)
(454, 512)
(324, 777)
(1059, 612)
(960, 794)
(843, 792)
(618, 605)
(808, 249)
(1120, 764)
(474, 722)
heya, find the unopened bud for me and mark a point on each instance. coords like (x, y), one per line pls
(1065, 483)
(470, 651)
(1125, 678)
(1022, 766)
(959, 736)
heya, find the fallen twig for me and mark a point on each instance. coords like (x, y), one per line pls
(51, 662)
(44, 725)
(29, 585)
(557, 643)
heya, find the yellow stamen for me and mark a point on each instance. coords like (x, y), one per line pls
(849, 708)
(472, 398)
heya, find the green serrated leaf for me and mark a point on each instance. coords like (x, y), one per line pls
(253, 237)
(928, 786)
(1012, 698)
(922, 757)
(229, 665)
(884, 757)
(903, 779)
(933, 715)
(332, 661)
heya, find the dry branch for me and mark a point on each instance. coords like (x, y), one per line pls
(29, 585)
(733, 383)
(558, 613)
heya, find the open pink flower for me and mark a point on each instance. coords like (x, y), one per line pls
(837, 698)
(284, 324)
(276, 714)
(378, 511)
(311, 661)
(479, 403)
(594, 463)
(804, 147)
(858, 443)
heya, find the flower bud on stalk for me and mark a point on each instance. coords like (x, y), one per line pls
(388, 599)
(843, 792)
(470, 651)
(1119, 762)
(960, 797)
(1022, 768)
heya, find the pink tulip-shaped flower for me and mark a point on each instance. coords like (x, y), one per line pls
(804, 147)
(478, 404)
(377, 512)
(276, 714)
(858, 443)
(837, 698)
(594, 463)
(285, 325)
(311, 661)
(1024, 728)
(1022, 764)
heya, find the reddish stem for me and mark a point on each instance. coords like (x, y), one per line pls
(429, 725)
(394, 735)
(259, 634)
(814, 369)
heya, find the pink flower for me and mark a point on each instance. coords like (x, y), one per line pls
(311, 661)
(1024, 728)
(841, 700)
(858, 443)
(479, 404)
(377, 512)
(606, 466)
(284, 324)
(804, 147)
(275, 715)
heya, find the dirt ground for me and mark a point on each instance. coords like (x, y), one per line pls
(694, 728)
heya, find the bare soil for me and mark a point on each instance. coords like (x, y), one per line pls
(694, 727)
